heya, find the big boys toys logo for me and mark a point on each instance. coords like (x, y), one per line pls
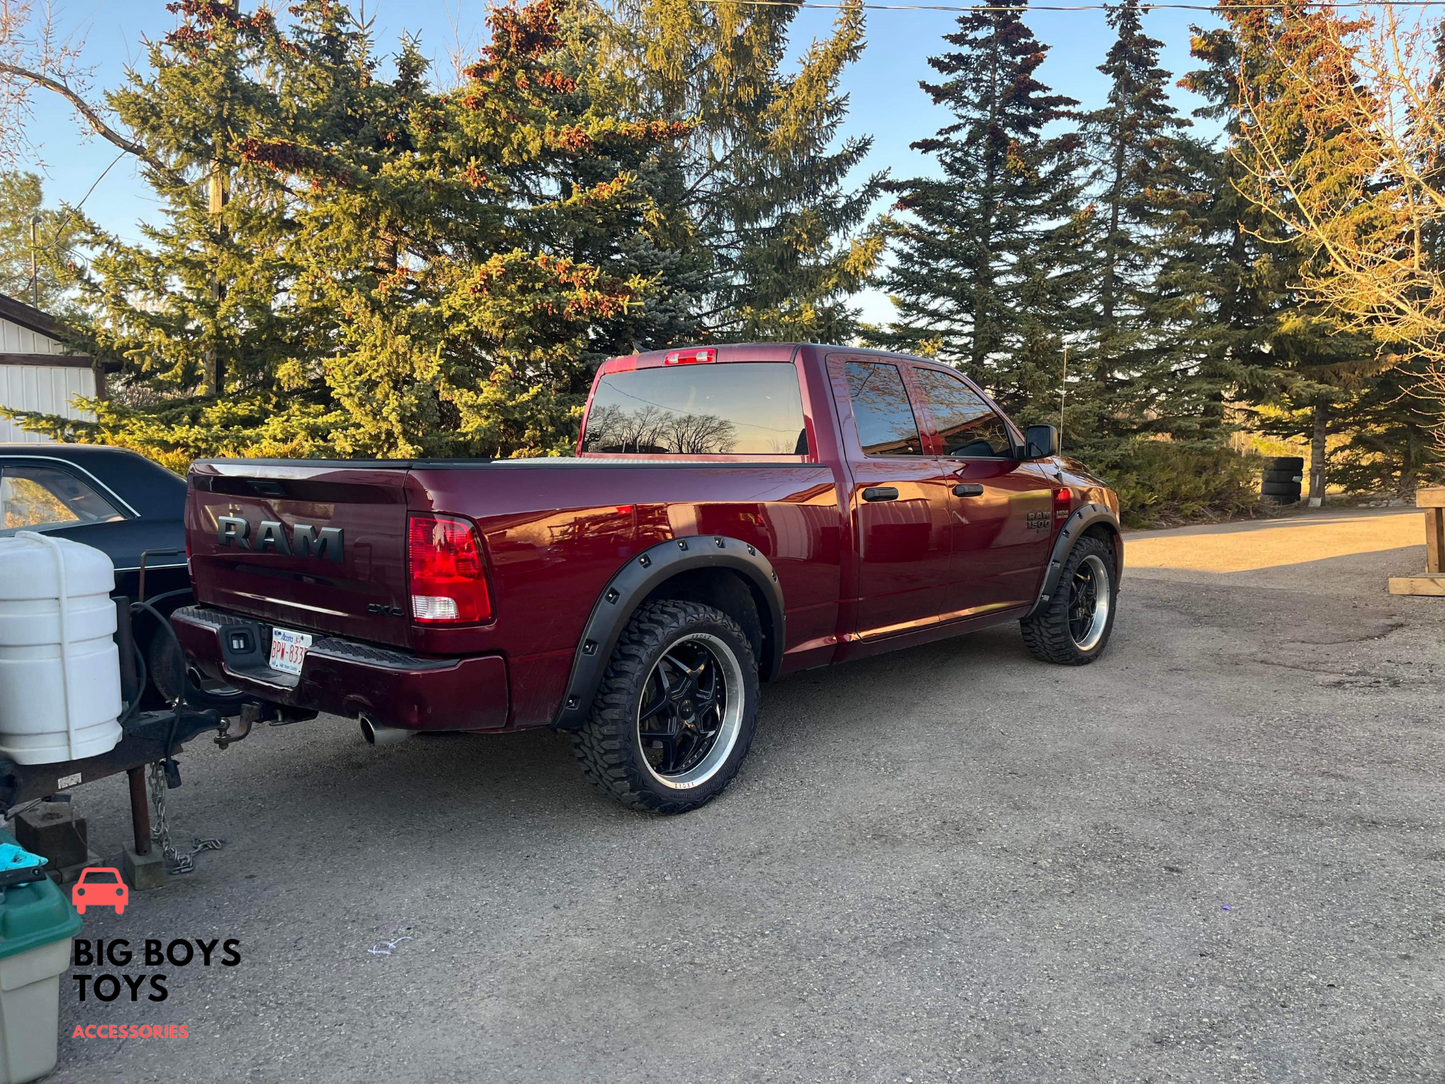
(116, 953)
(147, 984)
(114, 970)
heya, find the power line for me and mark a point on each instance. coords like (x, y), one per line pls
(1022, 8)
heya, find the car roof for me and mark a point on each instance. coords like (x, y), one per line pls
(149, 489)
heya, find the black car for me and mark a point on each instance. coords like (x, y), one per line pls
(121, 503)
(125, 506)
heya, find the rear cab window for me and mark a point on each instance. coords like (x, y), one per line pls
(731, 408)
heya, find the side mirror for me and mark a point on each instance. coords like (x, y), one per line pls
(1041, 442)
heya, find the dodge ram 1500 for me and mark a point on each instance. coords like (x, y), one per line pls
(732, 514)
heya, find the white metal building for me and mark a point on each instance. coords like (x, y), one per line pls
(35, 371)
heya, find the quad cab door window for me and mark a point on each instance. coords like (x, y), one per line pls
(900, 496)
(38, 497)
(1002, 507)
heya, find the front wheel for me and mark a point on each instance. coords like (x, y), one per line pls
(1073, 627)
(675, 714)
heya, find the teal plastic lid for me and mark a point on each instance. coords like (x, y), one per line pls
(34, 915)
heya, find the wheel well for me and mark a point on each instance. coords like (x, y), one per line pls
(726, 590)
(1106, 532)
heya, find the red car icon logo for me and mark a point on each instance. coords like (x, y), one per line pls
(100, 886)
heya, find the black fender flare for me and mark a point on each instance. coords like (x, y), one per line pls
(1084, 517)
(634, 581)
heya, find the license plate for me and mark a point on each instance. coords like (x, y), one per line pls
(288, 650)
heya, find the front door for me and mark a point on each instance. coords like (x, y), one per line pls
(1003, 508)
(901, 499)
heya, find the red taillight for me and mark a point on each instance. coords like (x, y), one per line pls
(448, 576)
(690, 357)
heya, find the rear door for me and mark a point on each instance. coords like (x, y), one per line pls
(1002, 508)
(312, 547)
(900, 497)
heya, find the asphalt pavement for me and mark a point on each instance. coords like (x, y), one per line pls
(1216, 854)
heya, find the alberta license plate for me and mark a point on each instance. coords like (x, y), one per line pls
(288, 650)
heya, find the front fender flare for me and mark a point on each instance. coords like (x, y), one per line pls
(634, 581)
(1084, 517)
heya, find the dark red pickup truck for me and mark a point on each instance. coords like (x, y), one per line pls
(733, 514)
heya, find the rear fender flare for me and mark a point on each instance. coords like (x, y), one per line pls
(1084, 517)
(634, 581)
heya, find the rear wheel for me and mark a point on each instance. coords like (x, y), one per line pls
(675, 714)
(1073, 627)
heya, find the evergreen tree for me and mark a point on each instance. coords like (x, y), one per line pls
(987, 272)
(21, 205)
(388, 270)
(777, 244)
(1287, 355)
(1144, 373)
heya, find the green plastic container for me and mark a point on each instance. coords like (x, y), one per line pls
(36, 926)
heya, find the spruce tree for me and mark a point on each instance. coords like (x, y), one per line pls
(392, 271)
(1142, 372)
(986, 268)
(778, 243)
(1288, 356)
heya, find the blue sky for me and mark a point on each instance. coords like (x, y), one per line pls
(885, 100)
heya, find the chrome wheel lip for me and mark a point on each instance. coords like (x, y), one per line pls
(1091, 568)
(730, 671)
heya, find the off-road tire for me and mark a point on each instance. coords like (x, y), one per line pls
(1047, 634)
(608, 745)
(1279, 489)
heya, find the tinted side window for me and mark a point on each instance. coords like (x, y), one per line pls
(886, 425)
(48, 497)
(968, 426)
(738, 408)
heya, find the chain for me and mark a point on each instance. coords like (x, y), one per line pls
(176, 862)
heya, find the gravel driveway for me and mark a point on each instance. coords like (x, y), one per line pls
(1217, 854)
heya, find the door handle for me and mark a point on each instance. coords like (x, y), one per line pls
(880, 493)
(968, 489)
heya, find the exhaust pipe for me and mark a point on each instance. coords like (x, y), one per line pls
(376, 734)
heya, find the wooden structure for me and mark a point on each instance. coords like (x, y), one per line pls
(1432, 501)
(36, 371)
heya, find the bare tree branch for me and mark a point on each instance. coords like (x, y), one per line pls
(84, 108)
(34, 55)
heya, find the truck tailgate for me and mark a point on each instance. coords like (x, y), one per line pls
(311, 546)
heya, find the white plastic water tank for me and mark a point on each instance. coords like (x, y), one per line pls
(59, 668)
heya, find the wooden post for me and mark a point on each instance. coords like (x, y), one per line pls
(140, 813)
(1432, 502)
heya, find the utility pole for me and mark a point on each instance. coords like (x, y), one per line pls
(35, 260)
(215, 365)
(215, 374)
(1063, 391)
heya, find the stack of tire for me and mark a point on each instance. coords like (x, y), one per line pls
(1282, 478)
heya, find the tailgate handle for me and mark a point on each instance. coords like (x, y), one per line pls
(880, 493)
(968, 489)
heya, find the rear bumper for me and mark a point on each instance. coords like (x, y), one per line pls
(346, 677)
